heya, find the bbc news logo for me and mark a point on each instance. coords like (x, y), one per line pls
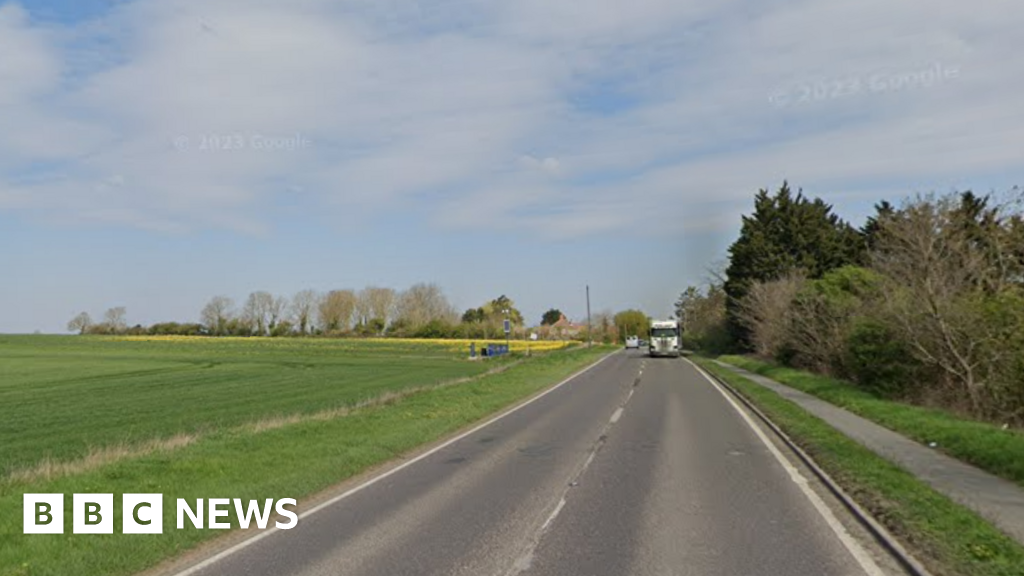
(143, 513)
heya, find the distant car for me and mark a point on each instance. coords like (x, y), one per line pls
(632, 342)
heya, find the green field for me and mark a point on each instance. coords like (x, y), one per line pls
(218, 387)
(62, 397)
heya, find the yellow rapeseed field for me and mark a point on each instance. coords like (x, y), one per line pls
(177, 338)
(454, 344)
(463, 343)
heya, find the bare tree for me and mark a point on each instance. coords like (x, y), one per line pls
(303, 307)
(364, 309)
(423, 303)
(276, 311)
(702, 316)
(80, 323)
(216, 314)
(335, 310)
(115, 319)
(603, 323)
(765, 311)
(257, 312)
(714, 273)
(944, 279)
(818, 328)
(379, 304)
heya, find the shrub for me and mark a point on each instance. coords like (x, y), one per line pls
(822, 315)
(434, 329)
(879, 361)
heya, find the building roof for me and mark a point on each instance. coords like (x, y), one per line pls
(564, 322)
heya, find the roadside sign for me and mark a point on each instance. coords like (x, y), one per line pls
(508, 326)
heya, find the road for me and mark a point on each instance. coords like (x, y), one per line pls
(638, 466)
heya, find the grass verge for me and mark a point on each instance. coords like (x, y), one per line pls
(989, 447)
(947, 538)
(296, 460)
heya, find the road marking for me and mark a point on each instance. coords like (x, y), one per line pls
(852, 546)
(616, 415)
(525, 560)
(553, 515)
(271, 530)
(586, 465)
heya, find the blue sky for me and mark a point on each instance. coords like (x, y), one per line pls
(155, 153)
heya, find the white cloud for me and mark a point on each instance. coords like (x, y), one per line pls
(482, 115)
(29, 66)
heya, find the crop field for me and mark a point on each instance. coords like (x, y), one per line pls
(63, 399)
(235, 418)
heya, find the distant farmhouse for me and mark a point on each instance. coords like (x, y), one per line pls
(564, 329)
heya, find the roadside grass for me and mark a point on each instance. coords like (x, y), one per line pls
(987, 446)
(948, 538)
(295, 460)
(64, 398)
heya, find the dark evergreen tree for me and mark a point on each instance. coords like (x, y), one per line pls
(787, 233)
(869, 232)
(550, 317)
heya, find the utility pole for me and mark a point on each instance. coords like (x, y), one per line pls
(590, 327)
(508, 327)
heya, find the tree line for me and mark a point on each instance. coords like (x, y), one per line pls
(923, 302)
(421, 311)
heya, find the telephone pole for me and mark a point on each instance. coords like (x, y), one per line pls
(590, 327)
(508, 326)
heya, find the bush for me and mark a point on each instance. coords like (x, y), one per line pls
(1004, 314)
(879, 361)
(434, 329)
(821, 318)
(283, 328)
(175, 328)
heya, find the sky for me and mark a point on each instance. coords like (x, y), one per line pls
(156, 153)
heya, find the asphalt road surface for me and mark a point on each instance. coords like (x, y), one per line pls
(638, 466)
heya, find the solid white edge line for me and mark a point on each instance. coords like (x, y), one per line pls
(330, 502)
(852, 546)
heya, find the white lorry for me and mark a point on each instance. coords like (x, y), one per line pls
(664, 338)
(632, 342)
